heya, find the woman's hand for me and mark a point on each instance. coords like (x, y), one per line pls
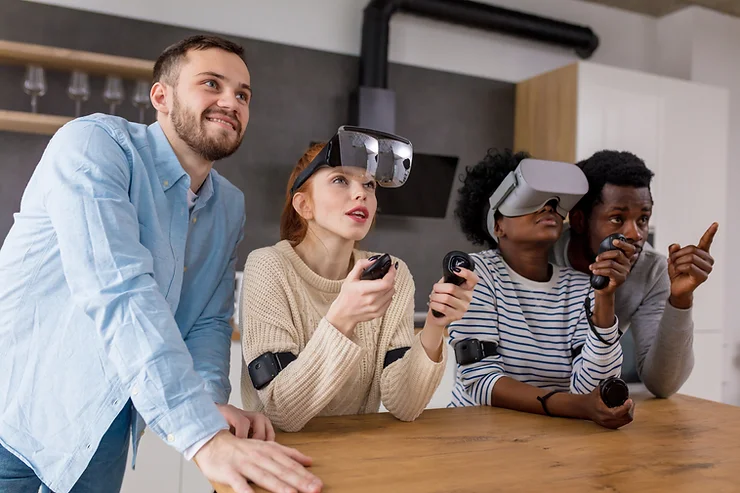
(361, 301)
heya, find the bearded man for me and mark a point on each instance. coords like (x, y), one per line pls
(117, 290)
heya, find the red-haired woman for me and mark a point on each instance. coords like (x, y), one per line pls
(344, 344)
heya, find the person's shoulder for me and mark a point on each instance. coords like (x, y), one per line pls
(93, 131)
(99, 124)
(487, 260)
(269, 257)
(650, 269)
(573, 281)
(651, 260)
(226, 188)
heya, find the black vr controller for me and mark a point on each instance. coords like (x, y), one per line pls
(378, 269)
(614, 391)
(452, 261)
(600, 282)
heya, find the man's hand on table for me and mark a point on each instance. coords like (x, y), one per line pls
(246, 424)
(233, 461)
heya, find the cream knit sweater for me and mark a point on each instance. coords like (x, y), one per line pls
(283, 304)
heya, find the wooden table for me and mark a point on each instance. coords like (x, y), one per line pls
(682, 444)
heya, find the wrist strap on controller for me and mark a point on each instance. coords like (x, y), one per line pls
(589, 316)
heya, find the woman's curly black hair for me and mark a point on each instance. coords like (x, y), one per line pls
(479, 183)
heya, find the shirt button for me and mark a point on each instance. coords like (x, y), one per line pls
(170, 438)
(195, 220)
(165, 183)
(185, 269)
(135, 390)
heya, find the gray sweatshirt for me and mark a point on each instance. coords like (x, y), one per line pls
(663, 335)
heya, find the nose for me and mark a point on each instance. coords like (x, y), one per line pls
(632, 232)
(550, 206)
(228, 101)
(359, 192)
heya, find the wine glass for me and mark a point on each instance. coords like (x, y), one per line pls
(141, 98)
(79, 90)
(113, 93)
(34, 85)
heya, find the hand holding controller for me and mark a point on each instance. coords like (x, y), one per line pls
(601, 282)
(614, 392)
(454, 259)
(378, 269)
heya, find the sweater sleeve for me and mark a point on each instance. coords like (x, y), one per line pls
(408, 384)
(476, 381)
(599, 359)
(664, 337)
(301, 390)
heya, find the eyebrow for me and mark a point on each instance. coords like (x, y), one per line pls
(625, 208)
(222, 77)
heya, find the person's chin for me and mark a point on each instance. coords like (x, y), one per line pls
(354, 234)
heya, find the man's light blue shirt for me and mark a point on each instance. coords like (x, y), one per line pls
(110, 290)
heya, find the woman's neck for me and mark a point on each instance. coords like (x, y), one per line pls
(327, 255)
(529, 261)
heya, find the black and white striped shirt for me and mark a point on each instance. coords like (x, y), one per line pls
(538, 327)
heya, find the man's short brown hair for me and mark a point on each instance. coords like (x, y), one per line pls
(166, 69)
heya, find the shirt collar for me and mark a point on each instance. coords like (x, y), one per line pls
(205, 192)
(168, 167)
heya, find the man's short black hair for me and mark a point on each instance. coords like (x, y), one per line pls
(166, 68)
(479, 183)
(619, 168)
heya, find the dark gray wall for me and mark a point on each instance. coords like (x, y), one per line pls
(300, 95)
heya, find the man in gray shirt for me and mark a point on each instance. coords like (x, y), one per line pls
(655, 301)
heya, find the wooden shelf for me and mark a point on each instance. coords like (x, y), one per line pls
(51, 57)
(33, 123)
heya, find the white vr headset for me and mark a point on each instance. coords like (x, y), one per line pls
(532, 185)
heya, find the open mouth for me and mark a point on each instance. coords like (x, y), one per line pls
(227, 123)
(359, 214)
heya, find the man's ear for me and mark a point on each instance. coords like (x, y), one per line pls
(303, 206)
(159, 96)
(577, 221)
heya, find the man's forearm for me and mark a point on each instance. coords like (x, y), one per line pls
(670, 358)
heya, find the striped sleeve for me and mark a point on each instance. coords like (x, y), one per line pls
(475, 382)
(597, 361)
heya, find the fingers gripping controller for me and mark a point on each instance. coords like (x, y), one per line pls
(600, 282)
(455, 260)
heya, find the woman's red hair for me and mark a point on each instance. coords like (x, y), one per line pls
(292, 226)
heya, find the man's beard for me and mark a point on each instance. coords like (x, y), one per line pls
(191, 130)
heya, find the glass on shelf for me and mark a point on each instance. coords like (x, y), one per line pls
(79, 90)
(34, 85)
(140, 98)
(113, 93)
